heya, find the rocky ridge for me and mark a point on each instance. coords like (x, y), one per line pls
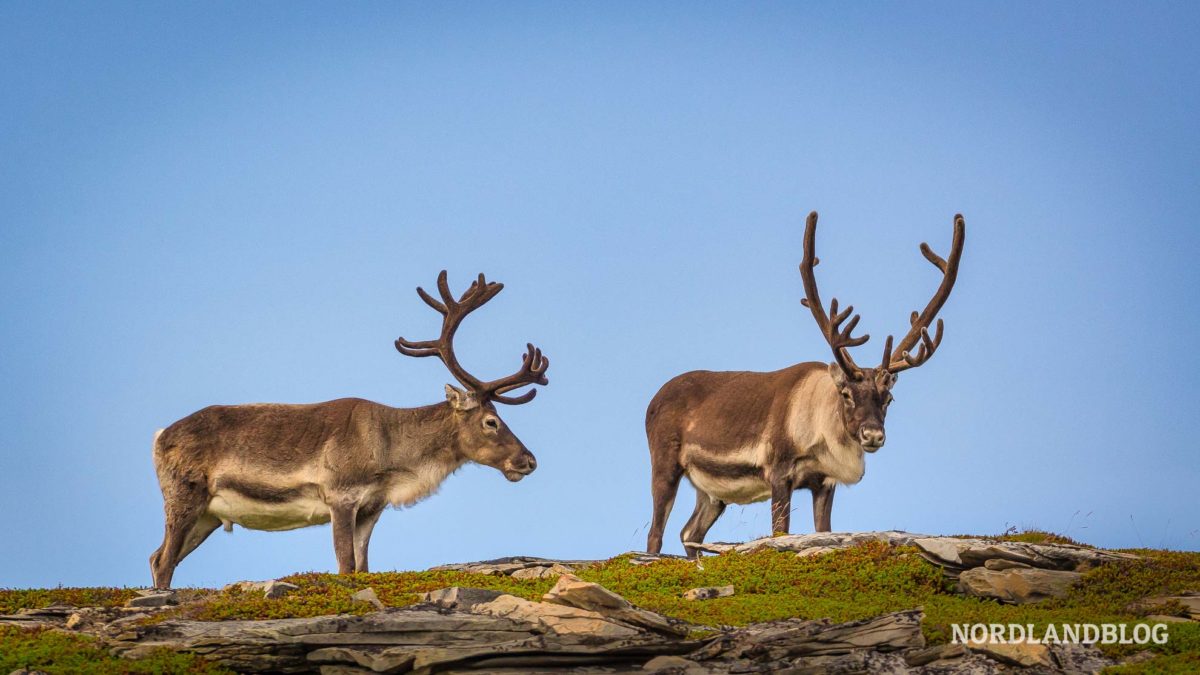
(582, 627)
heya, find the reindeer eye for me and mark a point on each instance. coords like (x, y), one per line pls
(491, 423)
(848, 397)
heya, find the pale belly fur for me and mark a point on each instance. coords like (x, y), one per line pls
(839, 465)
(746, 490)
(230, 506)
(233, 507)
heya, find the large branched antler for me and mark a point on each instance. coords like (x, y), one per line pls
(919, 332)
(533, 364)
(830, 324)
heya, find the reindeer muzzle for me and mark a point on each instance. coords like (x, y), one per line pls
(871, 439)
(517, 469)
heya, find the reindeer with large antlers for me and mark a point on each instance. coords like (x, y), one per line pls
(273, 466)
(743, 437)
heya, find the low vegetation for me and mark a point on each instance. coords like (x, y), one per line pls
(854, 583)
(56, 652)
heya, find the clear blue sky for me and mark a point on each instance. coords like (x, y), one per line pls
(225, 202)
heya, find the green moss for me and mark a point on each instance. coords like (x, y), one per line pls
(321, 593)
(1038, 537)
(853, 583)
(57, 652)
(1173, 664)
(12, 600)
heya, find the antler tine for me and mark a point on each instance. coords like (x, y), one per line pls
(533, 364)
(430, 301)
(453, 311)
(924, 351)
(532, 371)
(443, 286)
(919, 331)
(410, 348)
(839, 340)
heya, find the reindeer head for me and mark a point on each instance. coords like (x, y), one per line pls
(866, 392)
(483, 437)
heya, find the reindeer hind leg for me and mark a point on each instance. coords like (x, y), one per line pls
(708, 509)
(664, 484)
(184, 506)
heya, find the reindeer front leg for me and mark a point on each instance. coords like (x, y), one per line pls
(342, 514)
(781, 504)
(364, 523)
(822, 496)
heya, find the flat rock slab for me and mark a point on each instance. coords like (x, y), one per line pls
(507, 566)
(152, 598)
(952, 553)
(283, 644)
(796, 637)
(1189, 601)
(271, 590)
(969, 553)
(819, 540)
(1016, 585)
(530, 567)
(574, 592)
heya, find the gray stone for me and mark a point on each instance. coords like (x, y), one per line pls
(817, 550)
(1023, 654)
(1188, 600)
(924, 655)
(674, 665)
(1000, 564)
(152, 598)
(708, 593)
(1167, 618)
(826, 541)
(795, 638)
(274, 590)
(574, 592)
(1080, 658)
(968, 553)
(555, 618)
(458, 597)
(1018, 585)
(970, 664)
(271, 590)
(368, 595)
(284, 644)
(541, 572)
(507, 566)
(855, 662)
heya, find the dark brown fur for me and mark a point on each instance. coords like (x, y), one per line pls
(723, 412)
(277, 466)
(743, 436)
(356, 446)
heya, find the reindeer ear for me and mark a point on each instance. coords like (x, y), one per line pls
(838, 375)
(461, 400)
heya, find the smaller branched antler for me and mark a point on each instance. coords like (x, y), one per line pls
(839, 339)
(533, 364)
(919, 330)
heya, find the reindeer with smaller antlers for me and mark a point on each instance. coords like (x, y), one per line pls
(743, 437)
(271, 466)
